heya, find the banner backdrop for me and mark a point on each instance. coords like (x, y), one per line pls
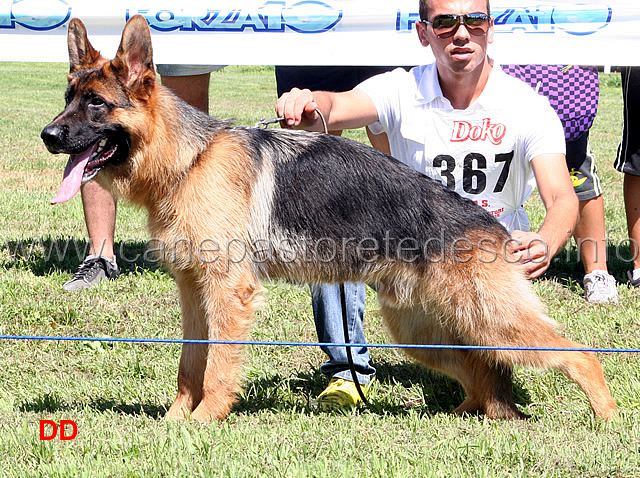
(320, 32)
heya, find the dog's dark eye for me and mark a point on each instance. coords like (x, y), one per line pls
(96, 101)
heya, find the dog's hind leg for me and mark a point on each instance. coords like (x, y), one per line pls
(498, 308)
(521, 323)
(488, 386)
(219, 308)
(582, 367)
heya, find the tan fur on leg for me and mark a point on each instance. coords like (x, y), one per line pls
(230, 302)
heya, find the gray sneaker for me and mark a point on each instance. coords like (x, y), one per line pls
(92, 270)
(600, 288)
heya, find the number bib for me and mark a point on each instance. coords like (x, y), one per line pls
(477, 154)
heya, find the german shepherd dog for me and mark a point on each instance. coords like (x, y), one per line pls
(247, 204)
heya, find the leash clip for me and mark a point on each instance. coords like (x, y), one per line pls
(264, 123)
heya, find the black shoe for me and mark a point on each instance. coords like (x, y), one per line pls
(92, 270)
(634, 283)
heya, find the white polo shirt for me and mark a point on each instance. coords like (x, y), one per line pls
(482, 152)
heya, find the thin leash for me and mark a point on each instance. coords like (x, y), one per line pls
(347, 340)
(263, 124)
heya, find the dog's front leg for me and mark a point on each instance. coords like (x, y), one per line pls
(216, 307)
(193, 358)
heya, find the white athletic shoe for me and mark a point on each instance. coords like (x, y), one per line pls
(600, 288)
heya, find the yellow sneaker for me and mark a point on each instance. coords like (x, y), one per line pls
(339, 394)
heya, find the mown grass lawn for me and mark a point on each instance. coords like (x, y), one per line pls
(118, 393)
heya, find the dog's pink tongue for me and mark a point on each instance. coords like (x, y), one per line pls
(72, 179)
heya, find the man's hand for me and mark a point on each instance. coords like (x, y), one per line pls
(531, 252)
(299, 110)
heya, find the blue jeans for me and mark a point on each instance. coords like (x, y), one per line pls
(327, 313)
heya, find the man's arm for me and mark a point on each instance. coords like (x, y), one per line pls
(347, 110)
(561, 203)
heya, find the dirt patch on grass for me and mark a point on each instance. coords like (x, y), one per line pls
(35, 180)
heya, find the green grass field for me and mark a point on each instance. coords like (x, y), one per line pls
(118, 393)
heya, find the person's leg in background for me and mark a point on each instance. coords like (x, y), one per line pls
(100, 217)
(590, 234)
(628, 162)
(327, 314)
(632, 209)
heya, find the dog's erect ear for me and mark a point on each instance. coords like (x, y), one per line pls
(81, 53)
(134, 61)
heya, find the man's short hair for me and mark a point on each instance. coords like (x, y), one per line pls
(424, 9)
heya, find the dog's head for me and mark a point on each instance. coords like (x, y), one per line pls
(103, 102)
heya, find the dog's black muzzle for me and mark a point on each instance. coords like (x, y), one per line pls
(58, 137)
(54, 137)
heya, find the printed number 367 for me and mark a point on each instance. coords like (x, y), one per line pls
(474, 179)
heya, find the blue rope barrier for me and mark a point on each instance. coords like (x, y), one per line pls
(314, 344)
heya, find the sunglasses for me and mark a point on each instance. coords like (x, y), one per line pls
(445, 26)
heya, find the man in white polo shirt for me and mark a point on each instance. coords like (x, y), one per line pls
(483, 151)
(463, 121)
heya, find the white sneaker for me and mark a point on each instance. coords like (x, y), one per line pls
(600, 288)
